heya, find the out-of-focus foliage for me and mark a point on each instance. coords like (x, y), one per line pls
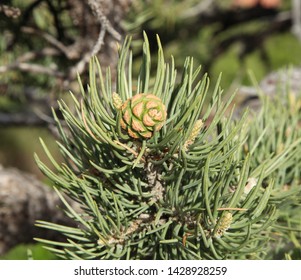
(221, 36)
(43, 44)
(56, 34)
(25, 252)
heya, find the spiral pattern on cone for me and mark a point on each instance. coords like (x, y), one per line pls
(142, 115)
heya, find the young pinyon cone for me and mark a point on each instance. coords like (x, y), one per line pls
(194, 133)
(117, 102)
(142, 115)
(224, 224)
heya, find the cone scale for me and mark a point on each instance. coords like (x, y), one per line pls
(142, 115)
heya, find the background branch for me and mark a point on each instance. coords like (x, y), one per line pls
(23, 201)
(57, 55)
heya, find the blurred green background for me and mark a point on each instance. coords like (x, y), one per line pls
(181, 36)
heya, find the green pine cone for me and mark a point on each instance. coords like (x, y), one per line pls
(142, 115)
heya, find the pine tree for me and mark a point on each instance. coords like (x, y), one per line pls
(160, 171)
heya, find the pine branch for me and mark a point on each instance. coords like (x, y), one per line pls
(156, 180)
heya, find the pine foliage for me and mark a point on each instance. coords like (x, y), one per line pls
(203, 186)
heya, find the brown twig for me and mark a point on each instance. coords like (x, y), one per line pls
(67, 51)
(10, 11)
(126, 147)
(35, 54)
(21, 119)
(232, 208)
(33, 68)
(105, 26)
